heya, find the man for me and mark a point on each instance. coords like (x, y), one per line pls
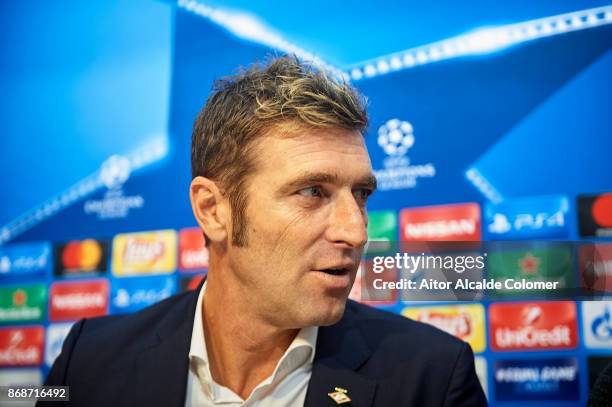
(281, 177)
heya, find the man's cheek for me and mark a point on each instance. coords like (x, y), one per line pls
(296, 225)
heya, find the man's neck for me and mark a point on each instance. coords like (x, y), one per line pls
(243, 350)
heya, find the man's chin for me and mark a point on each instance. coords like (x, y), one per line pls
(331, 315)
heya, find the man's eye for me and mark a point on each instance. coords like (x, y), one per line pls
(313, 192)
(363, 194)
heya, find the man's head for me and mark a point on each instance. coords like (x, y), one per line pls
(280, 180)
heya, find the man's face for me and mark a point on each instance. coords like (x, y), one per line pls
(306, 225)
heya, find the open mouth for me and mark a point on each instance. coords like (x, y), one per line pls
(335, 271)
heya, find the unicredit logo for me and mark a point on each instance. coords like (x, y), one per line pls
(191, 259)
(530, 337)
(533, 326)
(142, 251)
(457, 222)
(21, 346)
(193, 254)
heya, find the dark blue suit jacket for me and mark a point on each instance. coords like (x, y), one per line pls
(382, 359)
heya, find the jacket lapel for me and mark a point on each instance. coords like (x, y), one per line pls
(341, 349)
(162, 368)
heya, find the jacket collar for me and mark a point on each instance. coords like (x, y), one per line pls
(341, 350)
(162, 368)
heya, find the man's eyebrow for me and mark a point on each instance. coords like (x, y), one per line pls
(314, 178)
(369, 182)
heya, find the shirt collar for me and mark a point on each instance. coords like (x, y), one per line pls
(300, 353)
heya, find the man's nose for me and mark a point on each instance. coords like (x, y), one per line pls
(348, 222)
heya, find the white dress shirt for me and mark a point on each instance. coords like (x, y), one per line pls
(286, 387)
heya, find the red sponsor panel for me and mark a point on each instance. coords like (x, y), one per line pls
(595, 262)
(372, 288)
(21, 346)
(602, 210)
(78, 299)
(457, 222)
(193, 254)
(533, 326)
(191, 282)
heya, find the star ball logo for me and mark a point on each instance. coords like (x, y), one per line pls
(395, 137)
(113, 173)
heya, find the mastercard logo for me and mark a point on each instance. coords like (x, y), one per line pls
(82, 255)
(602, 210)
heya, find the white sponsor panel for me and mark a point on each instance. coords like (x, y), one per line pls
(481, 372)
(20, 377)
(56, 333)
(597, 324)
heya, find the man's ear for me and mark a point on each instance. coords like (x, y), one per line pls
(210, 208)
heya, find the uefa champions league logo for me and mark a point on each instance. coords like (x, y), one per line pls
(395, 137)
(115, 171)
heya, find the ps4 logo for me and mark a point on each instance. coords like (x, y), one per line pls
(26, 258)
(528, 221)
(535, 217)
(135, 299)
